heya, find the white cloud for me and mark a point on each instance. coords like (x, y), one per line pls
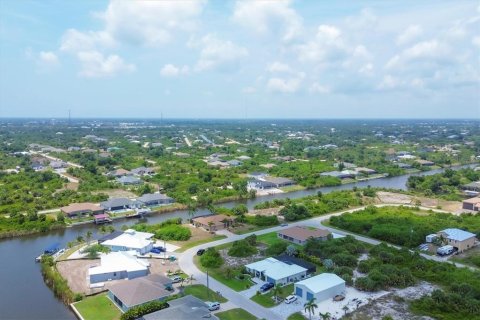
(411, 33)
(278, 67)
(95, 64)
(150, 23)
(318, 88)
(476, 41)
(249, 90)
(269, 17)
(285, 85)
(75, 41)
(388, 82)
(217, 54)
(170, 70)
(48, 59)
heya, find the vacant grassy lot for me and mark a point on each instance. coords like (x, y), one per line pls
(185, 245)
(203, 293)
(235, 314)
(98, 307)
(232, 282)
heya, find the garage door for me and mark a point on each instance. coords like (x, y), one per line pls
(309, 296)
(299, 292)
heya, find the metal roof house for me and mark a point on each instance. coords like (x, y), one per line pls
(114, 204)
(321, 287)
(276, 272)
(118, 265)
(129, 180)
(141, 242)
(460, 239)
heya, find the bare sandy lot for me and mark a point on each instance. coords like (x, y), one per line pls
(399, 198)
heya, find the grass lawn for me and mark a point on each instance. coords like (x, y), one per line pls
(203, 293)
(272, 238)
(295, 187)
(235, 314)
(296, 316)
(98, 307)
(190, 244)
(234, 283)
(247, 228)
(267, 301)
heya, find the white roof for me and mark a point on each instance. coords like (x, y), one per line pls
(119, 261)
(276, 269)
(458, 234)
(322, 282)
(131, 239)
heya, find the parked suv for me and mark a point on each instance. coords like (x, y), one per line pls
(200, 252)
(212, 306)
(291, 298)
(266, 286)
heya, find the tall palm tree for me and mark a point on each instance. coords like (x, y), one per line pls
(325, 316)
(89, 236)
(276, 291)
(79, 239)
(310, 307)
(192, 209)
(345, 309)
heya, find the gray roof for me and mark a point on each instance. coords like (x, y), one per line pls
(278, 180)
(140, 170)
(129, 179)
(140, 290)
(148, 197)
(116, 202)
(185, 308)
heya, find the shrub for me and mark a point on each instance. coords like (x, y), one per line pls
(276, 249)
(139, 311)
(211, 258)
(241, 248)
(173, 232)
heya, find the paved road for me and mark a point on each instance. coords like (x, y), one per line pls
(186, 259)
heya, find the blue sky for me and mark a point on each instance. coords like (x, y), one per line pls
(236, 59)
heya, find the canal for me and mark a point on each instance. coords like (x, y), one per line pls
(24, 295)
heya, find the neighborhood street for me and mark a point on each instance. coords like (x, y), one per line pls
(186, 260)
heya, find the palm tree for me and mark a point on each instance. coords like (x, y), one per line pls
(210, 224)
(89, 236)
(276, 291)
(325, 316)
(310, 307)
(192, 209)
(79, 239)
(345, 309)
(103, 229)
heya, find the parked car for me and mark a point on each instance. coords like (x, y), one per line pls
(266, 286)
(284, 225)
(162, 249)
(176, 279)
(155, 250)
(212, 306)
(338, 297)
(200, 252)
(291, 298)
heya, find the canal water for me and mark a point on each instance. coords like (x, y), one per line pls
(24, 295)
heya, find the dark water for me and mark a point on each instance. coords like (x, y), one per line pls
(23, 294)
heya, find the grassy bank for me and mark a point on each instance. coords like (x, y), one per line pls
(54, 280)
(98, 307)
(235, 314)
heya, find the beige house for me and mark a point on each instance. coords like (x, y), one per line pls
(213, 223)
(460, 239)
(300, 235)
(79, 209)
(471, 204)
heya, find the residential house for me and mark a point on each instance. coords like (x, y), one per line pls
(154, 199)
(129, 180)
(471, 204)
(58, 164)
(276, 272)
(288, 259)
(131, 240)
(115, 204)
(279, 182)
(365, 171)
(213, 222)
(321, 287)
(184, 308)
(143, 171)
(472, 186)
(118, 265)
(101, 218)
(338, 174)
(300, 235)
(459, 239)
(79, 209)
(129, 294)
(425, 163)
(117, 173)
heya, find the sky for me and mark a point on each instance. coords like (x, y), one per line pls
(240, 59)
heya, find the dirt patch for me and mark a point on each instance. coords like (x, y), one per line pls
(117, 193)
(72, 186)
(394, 198)
(266, 212)
(394, 304)
(399, 198)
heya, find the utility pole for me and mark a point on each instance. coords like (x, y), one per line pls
(208, 288)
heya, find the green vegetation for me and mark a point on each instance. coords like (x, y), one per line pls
(168, 230)
(446, 185)
(296, 316)
(235, 314)
(274, 296)
(203, 293)
(56, 282)
(191, 244)
(235, 278)
(21, 224)
(94, 250)
(211, 258)
(244, 248)
(138, 311)
(98, 307)
(401, 225)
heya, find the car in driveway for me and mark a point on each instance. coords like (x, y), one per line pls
(291, 298)
(284, 225)
(212, 306)
(176, 279)
(266, 286)
(200, 252)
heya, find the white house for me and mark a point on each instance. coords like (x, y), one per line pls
(141, 242)
(118, 265)
(276, 272)
(321, 287)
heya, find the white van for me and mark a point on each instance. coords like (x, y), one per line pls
(212, 306)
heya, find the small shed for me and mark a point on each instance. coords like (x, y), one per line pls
(321, 287)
